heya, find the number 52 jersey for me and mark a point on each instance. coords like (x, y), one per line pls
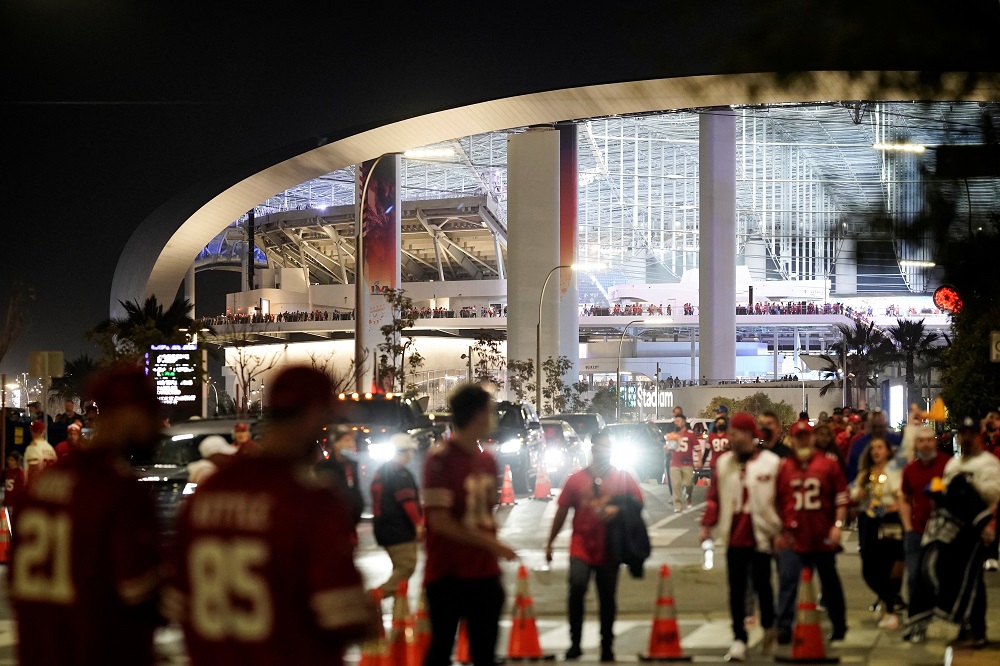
(264, 571)
(808, 494)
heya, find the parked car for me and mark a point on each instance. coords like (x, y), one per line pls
(585, 424)
(516, 441)
(166, 466)
(637, 447)
(564, 451)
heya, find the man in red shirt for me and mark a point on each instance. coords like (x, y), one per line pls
(718, 442)
(461, 573)
(683, 444)
(588, 492)
(85, 568)
(72, 442)
(915, 506)
(264, 571)
(812, 499)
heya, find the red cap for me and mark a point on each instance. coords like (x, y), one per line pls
(800, 427)
(73, 426)
(37, 427)
(124, 386)
(241, 427)
(854, 418)
(297, 388)
(745, 421)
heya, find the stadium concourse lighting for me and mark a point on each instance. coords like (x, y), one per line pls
(900, 147)
(911, 263)
(538, 325)
(428, 153)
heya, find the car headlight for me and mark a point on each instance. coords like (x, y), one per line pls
(381, 451)
(510, 446)
(623, 455)
(189, 488)
(554, 457)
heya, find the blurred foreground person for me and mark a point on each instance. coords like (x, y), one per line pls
(264, 570)
(85, 569)
(462, 575)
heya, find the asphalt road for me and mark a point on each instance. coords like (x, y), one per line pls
(700, 595)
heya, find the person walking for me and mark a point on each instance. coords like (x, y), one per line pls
(215, 452)
(683, 446)
(263, 571)
(812, 499)
(340, 472)
(880, 530)
(742, 512)
(592, 493)
(71, 444)
(398, 520)
(461, 573)
(915, 505)
(38, 454)
(85, 566)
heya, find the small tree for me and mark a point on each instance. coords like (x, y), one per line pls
(247, 359)
(520, 379)
(490, 363)
(342, 381)
(604, 403)
(395, 355)
(554, 393)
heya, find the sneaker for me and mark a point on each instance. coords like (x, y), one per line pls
(969, 643)
(784, 636)
(837, 634)
(607, 656)
(769, 641)
(573, 653)
(991, 565)
(737, 652)
(890, 621)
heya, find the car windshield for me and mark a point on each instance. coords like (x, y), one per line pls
(376, 412)
(553, 430)
(640, 432)
(175, 451)
(508, 416)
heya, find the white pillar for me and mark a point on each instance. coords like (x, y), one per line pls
(532, 242)
(189, 292)
(846, 268)
(717, 256)
(569, 294)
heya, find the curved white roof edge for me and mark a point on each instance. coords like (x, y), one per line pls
(159, 252)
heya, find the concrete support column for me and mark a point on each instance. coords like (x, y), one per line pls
(189, 292)
(717, 252)
(569, 294)
(846, 268)
(532, 243)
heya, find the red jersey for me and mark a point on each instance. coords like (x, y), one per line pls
(13, 486)
(917, 477)
(686, 445)
(588, 499)
(64, 449)
(715, 446)
(86, 565)
(807, 497)
(264, 570)
(466, 485)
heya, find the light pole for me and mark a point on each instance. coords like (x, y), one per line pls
(538, 338)
(618, 375)
(805, 406)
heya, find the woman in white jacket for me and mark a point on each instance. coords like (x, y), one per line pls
(741, 510)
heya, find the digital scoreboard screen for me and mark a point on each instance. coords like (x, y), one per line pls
(177, 372)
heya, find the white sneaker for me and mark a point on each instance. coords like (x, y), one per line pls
(890, 621)
(991, 565)
(738, 652)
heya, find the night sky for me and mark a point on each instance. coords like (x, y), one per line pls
(110, 109)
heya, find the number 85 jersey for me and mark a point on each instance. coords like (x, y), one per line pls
(264, 571)
(808, 494)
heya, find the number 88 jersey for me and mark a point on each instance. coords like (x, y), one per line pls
(808, 494)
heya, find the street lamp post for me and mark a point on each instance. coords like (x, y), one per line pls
(538, 338)
(618, 375)
(803, 376)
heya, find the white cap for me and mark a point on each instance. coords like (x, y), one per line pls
(215, 444)
(404, 442)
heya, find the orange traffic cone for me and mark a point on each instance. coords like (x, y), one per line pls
(462, 654)
(376, 651)
(665, 637)
(524, 644)
(807, 636)
(401, 637)
(5, 535)
(422, 631)
(507, 492)
(543, 487)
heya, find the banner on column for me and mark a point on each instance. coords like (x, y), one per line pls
(379, 200)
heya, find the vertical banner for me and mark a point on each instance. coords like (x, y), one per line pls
(378, 198)
(569, 296)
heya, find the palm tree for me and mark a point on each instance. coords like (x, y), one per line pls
(867, 351)
(75, 375)
(128, 338)
(912, 341)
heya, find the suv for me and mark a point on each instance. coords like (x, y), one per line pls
(517, 441)
(563, 449)
(166, 467)
(585, 423)
(377, 417)
(637, 447)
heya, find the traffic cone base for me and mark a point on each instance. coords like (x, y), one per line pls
(462, 654)
(543, 487)
(665, 637)
(524, 644)
(4, 536)
(507, 492)
(376, 651)
(808, 646)
(402, 639)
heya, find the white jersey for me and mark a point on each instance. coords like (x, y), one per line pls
(38, 455)
(981, 470)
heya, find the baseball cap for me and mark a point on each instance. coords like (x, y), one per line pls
(215, 444)
(37, 427)
(73, 426)
(745, 421)
(854, 418)
(721, 409)
(241, 426)
(800, 427)
(404, 442)
(838, 410)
